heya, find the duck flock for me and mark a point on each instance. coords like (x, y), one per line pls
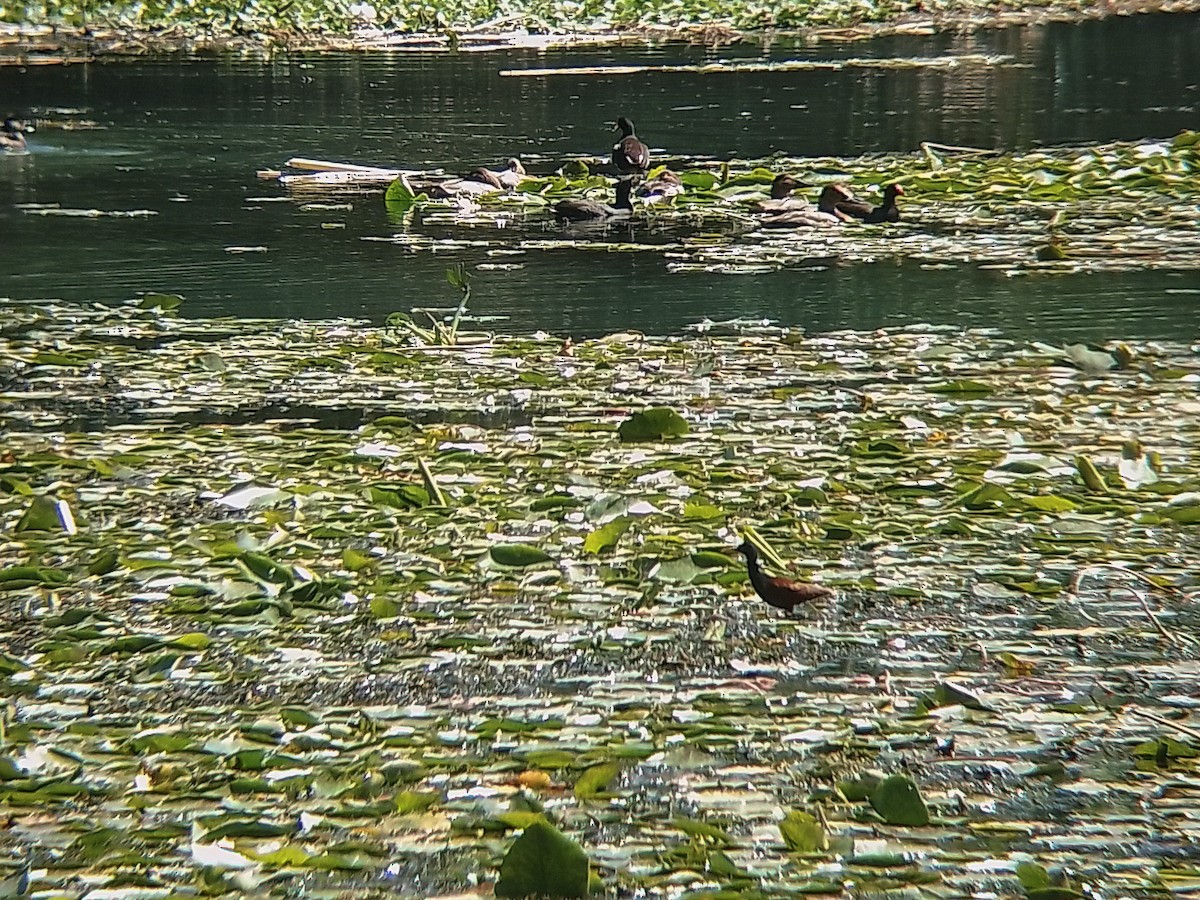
(835, 205)
(631, 159)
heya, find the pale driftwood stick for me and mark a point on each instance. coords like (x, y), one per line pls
(1079, 576)
(1182, 729)
(951, 148)
(322, 165)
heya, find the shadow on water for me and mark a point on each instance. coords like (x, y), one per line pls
(104, 414)
(183, 139)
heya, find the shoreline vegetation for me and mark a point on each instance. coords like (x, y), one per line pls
(47, 33)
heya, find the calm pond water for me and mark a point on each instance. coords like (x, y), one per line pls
(184, 137)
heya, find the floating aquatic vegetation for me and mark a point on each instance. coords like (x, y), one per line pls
(949, 61)
(1113, 207)
(346, 600)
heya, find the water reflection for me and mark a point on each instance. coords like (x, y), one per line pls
(183, 138)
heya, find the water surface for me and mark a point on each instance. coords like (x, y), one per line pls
(183, 139)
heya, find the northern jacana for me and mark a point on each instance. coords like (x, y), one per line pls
(782, 593)
(630, 155)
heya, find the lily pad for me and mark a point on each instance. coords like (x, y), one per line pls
(543, 862)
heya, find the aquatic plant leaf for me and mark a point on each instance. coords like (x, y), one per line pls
(988, 496)
(16, 577)
(104, 562)
(518, 556)
(543, 862)
(45, 513)
(1049, 503)
(1032, 876)
(677, 571)
(550, 759)
(701, 512)
(595, 780)
(704, 830)
(1183, 509)
(400, 194)
(653, 424)
(1165, 749)
(802, 833)
(193, 640)
(162, 302)
(898, 802)
(1090, 475)
(607, 535)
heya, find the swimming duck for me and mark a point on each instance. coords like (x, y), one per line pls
(12, 135)
(661, 187)
(781, 199)
(630, 155)
(782, 593)
(826, 214)
(583, 210)
(886, 212)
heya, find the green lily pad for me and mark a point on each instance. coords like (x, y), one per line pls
(653, 424)
(898, 802)
(518, 556)
(543, 862)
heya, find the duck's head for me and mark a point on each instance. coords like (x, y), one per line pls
(514, 165)
(836, 193)
(892, 191)
(782, 186)
(624, 125)
(13, 125)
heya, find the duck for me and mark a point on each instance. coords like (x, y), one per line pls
(630, 155)
(781, 199)
(874, 215)
(663, 186)
(12, 135)
(781, 593)
(509, 177)
(577, 209)
(826, 214)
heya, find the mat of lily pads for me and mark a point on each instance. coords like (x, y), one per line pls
(299, 609)
(1111, 207)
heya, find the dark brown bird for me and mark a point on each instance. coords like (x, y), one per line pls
(508, 177)
(781, 593)
(630, 155)
(781, 199)
(826, 214)
(873, 215)
(583, 210)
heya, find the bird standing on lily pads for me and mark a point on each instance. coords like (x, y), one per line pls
(782, 593)
(630, 155)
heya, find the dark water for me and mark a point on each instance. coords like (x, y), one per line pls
(183, 138)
